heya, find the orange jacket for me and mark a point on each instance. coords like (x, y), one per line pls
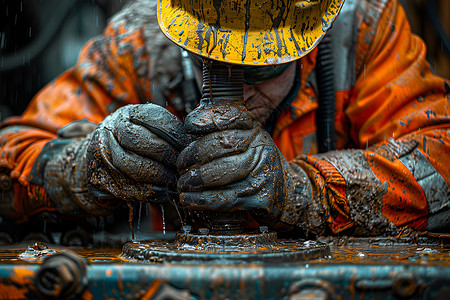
(385, 90)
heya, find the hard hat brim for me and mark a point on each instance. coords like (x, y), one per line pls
(248, 32)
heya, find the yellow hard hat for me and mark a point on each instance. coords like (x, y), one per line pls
(248, 32)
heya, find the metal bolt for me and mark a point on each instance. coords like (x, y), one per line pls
(263, 229)
(405, 285)
(310, 293)
(187, 228)
(62, 276)
(203, 230)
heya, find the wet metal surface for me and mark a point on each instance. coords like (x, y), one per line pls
(173, 252)
(355, 251)
(355, 269)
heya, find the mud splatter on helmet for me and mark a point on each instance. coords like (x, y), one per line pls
(248, 32)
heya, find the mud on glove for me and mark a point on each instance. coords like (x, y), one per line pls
(233, 165)
(130, 155)
(60, 169)
(133, 152)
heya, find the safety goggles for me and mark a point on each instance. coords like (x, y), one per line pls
(252, 74)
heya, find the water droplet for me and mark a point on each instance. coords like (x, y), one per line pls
(163, 219)
(130, 219)
(139, 217)
(178, 211)
(2, 40)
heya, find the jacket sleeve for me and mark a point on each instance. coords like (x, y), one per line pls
(398, 116)
(112, 71)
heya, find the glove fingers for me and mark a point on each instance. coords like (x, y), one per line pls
(220, 172)
(140, 140)
(225, 170)
(123, 188)
(79, 128)
(215, 145)
(105, 177)
(138, 168)
(260, 190)
(244, 194)
(160, 121)
(217, 116)
(132, 154)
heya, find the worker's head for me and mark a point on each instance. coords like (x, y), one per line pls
(263, 36)
(264, 86)
(248, 32)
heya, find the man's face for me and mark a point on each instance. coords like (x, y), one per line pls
(263, 98)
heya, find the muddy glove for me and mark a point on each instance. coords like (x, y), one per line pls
(132, 154)
(59, 174)
(234, 167)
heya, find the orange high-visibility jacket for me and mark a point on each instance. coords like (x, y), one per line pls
(391, 111)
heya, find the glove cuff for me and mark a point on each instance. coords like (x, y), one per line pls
(304, 207)
(61, 169)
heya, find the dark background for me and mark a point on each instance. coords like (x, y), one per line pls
(39, 39)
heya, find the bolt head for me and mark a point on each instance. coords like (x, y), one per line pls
(187, 228)
(263, 229)
(203, 230)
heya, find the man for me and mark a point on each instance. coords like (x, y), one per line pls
(391, 121)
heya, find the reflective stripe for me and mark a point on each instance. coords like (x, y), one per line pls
(14, 129)
(439, 221)
(310, 143)
(343, 36)
(434, 186)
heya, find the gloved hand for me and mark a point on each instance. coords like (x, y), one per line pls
(132, 154)
(237, 167)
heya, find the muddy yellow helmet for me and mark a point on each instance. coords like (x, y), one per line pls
(249, 32)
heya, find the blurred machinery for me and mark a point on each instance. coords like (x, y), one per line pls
(39, 39)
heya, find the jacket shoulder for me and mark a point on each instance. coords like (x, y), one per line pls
(136, 14)
(366, 7)
(358, 18)
(164, 56)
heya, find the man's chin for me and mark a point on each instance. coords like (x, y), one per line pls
(260, 114)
